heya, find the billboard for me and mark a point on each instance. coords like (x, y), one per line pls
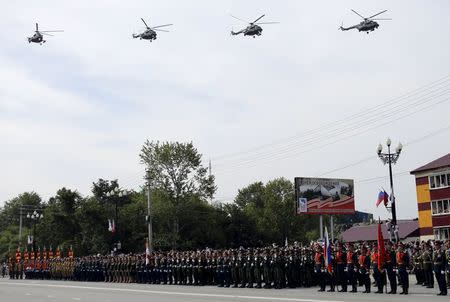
(324, 196)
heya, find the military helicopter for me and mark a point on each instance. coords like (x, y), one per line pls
(150, 32)
(253, 29)
(38, 35)
(367, 25)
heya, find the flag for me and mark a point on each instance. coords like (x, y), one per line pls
(382, 197)
(109, 225)
(58, 253)
(381, 249)
(45, 253)
(327, 252)
(18, 255)
(113, 226)
(70, 252)
(38, 254)
(50, 253)
(147, 253)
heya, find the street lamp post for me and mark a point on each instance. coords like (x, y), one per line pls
(117, 194)
(35, 217)
(391, 158)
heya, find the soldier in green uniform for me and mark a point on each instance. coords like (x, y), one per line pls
(427, 260)
(258, 268)
(235, 269)
(418, 266)
(249, 268)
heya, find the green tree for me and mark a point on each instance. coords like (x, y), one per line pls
(181, 187)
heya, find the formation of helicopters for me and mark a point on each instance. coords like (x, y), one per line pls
(253, 29)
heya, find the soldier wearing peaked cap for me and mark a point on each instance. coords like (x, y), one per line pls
(439, 263)
(402, 265)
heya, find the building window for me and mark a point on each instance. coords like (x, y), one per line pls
(438, 181)
(442, 233)
(440, 207)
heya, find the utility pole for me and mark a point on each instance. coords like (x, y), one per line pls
(149, 213)
(20, 226)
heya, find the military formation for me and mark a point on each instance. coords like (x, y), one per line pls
(350, 266)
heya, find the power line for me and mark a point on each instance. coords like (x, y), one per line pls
(350, 127)
(345, 119)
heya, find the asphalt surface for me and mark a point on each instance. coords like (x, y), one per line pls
(43, 290)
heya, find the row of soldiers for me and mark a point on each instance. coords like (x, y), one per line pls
(346, 267)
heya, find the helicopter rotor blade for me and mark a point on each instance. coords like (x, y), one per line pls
(267, 23)
(161, 26)
(162, 30)
(381, 19)
(238, 18)
(44, 33)
(257, 19)
(358, 14)
(145, 23)
(52, 31)
(37, 27)
(377, 14)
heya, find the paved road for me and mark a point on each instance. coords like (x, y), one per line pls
(37, 290)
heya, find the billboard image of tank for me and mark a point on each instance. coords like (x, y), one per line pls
(324, 196)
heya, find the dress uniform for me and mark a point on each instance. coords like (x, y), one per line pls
(418, 266)
(402, 265)
(351, 269)
(364, 269)
(391, 268)
(341, 261)
(319, 267)
(427, 260)
(439, 263)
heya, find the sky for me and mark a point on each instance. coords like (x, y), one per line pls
(303, 99)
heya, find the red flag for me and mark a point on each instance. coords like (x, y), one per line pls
(381, 249)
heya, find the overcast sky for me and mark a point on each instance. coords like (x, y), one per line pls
(303, 99)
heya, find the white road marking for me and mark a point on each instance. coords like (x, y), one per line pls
(170, 293)
(76, 299)
(27, 294)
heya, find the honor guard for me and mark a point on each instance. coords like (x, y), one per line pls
(402, 266)
(364, 268)
(439, 263)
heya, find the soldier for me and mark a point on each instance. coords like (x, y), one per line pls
(448, 263)
(278, 274)
(391, 268)
(319, 267)
(291, 269)
(267, 269)
(341, 259)
(364, 268)
(352, 267)
(427, 259)
(376, 272)
(439, 263)
(402, 265)
(418, 266)
(249, 269)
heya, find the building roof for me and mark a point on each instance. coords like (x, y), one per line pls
(407, 228)
(441, 162)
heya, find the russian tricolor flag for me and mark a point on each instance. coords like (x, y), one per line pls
(327, 252)
(382, 197)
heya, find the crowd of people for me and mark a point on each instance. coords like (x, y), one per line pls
(346, 267)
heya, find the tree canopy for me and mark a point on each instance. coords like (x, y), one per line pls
(184, 216)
